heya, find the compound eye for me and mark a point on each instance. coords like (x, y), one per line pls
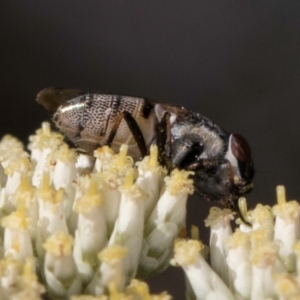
(240, 148)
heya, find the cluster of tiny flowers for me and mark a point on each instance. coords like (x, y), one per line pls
(84, 227)
(255, 262)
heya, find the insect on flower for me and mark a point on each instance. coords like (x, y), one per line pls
(221, 162)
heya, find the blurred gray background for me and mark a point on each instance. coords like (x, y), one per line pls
(237, 62)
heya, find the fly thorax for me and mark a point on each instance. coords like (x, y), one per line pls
(211, 142)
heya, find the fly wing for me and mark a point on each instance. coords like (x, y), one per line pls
(160, 110)
(52, 98)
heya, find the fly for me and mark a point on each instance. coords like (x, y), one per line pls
(221, 161)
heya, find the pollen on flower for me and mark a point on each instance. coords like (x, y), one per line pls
(28, 270)
(264, 255)
(286, 286)
(103, 151)
(89, 297)
(114, 293)
(25, 193)
(29, 285)
(287, 210)
(25, 184)
(47, 192)
(59, 244)
(179, 182)
(11, 147)
(65, 154)
(44, 138)
(9, 141)
(113, 254)
(297, 248)
(140, 290)
(237, 239)
(18, 165)
(8, 262)
(138, 287)
(103, 157)
(216, 214)
(91, 199)
(16, 220)
(186, 251)
(261, 214)
(258, 237)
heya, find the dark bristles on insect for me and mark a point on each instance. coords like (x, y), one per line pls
(222, 162)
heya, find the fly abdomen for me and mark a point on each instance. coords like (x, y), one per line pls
(88, 121)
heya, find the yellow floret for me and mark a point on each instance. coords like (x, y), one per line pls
(105, 150)
(25, 183)
(29, 272)
(289, 209)
(297, 248)
(113, 254)
(10, 144)
(16, 220)
(89, 297)
(59, 244)
(18, 164)
(179, 181)
(91, 199)
(286, 285)
(150, 163)
(238, 239)
(186, 251)
(264, 255)
(115, 295)
(25, 193)
(65, 154)
(217, 215)
(140, 290)
(258, 237)
(261, 213)
(47, 193)
(45, 138)
(8, 262)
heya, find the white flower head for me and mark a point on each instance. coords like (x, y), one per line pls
(132, 212)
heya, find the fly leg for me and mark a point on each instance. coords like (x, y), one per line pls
(134, 129)
(164, 141)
